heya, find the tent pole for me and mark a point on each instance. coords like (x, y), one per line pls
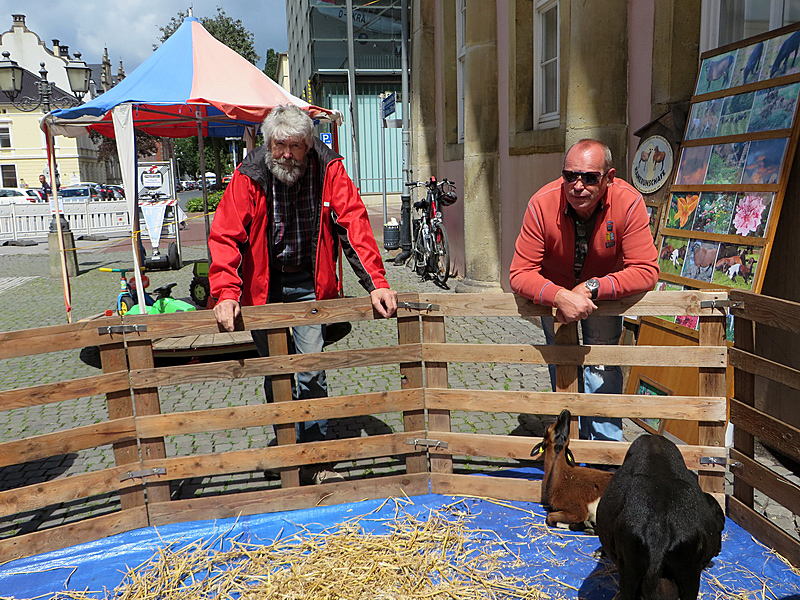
(54, 192)
(201, 149)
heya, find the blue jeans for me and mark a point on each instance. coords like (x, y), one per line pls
(299, 287)
(596, 378)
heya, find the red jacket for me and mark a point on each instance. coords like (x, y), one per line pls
(238, 240)
(622, 255)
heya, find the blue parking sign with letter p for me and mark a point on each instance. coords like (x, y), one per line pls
(327, 139)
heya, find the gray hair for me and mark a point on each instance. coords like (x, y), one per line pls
(288, 121)
(608, 162)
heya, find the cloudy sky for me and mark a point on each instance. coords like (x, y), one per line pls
(130, 28)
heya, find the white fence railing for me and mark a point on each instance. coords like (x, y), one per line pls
(26, 221)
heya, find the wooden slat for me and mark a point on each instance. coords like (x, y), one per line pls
(763, 367)
(284, 456)
(71, 534)
(41, 340)
(274, 365)
(113, 357)
(67, 440)
(507, 305)
(689, 408)
(64, 390)
(711, 382)
(744, 384)
(259, 415)
(770, 430)
(777, 487)
(411, 377)
(591, 452)
(503, 488)
(146, 402)
(174, 343)
(279, 500)
(433, 330)
(774, 312)
(765, 531)
(65, 489)
(706, 356)
(270, 316)
(281, 387)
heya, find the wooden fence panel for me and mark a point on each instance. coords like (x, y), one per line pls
(422, 354)
(436, 377)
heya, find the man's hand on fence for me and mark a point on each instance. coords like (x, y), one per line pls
(384, 301)
(227, 312)
(573, 305)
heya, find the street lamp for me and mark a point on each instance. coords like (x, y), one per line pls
(11, 75)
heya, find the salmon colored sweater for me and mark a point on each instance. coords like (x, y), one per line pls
(622, 255)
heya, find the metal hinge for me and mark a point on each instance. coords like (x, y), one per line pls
(427, 443)
(719, 460)
(418, 306)
(143, 474)
(121, 329)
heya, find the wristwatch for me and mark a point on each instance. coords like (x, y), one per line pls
(593, 286)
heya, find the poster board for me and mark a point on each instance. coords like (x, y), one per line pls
(734, 163)
(730, 179)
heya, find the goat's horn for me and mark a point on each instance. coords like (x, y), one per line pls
(536, 449)
(570, 457)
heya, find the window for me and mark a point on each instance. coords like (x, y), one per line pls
(5, 136)
(461, 52)
(9, 174)
(546, 78)
(728, 21)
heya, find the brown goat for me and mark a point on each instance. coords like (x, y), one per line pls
(570, 492)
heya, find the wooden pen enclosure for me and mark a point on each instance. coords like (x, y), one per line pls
(138, 490)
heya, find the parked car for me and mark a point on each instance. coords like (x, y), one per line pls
(119, 191)
(19, 195)
(80, 193)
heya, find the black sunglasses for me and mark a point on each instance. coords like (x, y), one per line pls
(588, 178)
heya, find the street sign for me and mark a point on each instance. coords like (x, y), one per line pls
(326, 138)
(387, 105)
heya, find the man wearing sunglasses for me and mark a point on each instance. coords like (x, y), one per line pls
(586, 237)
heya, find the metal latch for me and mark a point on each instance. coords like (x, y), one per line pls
(426, 443)
(418, 306)
(143, 474)
(719, 304)
(719, 460)
(136, 328)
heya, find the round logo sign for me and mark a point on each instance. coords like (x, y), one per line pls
(652, 164)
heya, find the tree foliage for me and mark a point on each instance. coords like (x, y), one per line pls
(271, 65)
(227, 30)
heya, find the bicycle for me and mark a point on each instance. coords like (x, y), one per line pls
(430, 250)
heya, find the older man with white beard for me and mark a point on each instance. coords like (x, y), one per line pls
(276, 236)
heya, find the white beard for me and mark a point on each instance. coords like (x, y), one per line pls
(286, 170)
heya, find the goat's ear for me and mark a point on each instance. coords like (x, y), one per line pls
(570, 458)
(536, 449)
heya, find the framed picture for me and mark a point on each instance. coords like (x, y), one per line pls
(654, 213)
(647, 387)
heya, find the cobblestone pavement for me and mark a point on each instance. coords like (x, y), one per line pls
(30, 297)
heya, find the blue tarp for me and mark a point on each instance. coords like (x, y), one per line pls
(560, 563)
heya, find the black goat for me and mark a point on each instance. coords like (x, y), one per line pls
(571, 492)
(656, 523)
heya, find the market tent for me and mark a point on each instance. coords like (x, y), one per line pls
(191, 85)
(190, 76)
